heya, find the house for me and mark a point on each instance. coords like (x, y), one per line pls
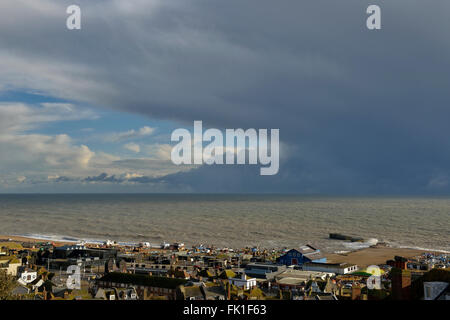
(297, 279)
(105, 294)
(60, 292)
(129, 293)
(205, 273)
(193, 292)
(10, 264)
(227, 274)
(264, 270)
(288, 283)
(216, 292)
(331, 287)
(68, 251)
(80, 251)
(304, 275)
(27, 275)
(148, 269)
(243, 282)
(313, 289)
(178, 273)
(304, 254)
(20, 291)
(36, 284)
(145, 285)
(337, 268)
(254, 294)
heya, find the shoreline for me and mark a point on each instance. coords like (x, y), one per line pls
(33, 240)
(363, 257)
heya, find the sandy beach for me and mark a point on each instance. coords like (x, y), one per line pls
(26, 239)
(4, 238)
(375, 255)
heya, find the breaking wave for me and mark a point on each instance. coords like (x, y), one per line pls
(361, 245)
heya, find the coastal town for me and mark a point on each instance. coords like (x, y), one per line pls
(45, 270)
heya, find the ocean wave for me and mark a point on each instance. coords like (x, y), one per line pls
(59, 238)
(361, 245)
(69, 239)
(395, 245)
(48, 237)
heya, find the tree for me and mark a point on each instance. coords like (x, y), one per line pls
(7, 284)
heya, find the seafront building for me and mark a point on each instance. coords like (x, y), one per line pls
(302, 255)
(337, 268)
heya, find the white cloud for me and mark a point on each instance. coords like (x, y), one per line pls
(43, 151)
(21, 179)
(144, 131)
(27, 152)
(128, 135)
(19, 117)
(129, 176)
(29, 158)
(159, 151)
(132, 147)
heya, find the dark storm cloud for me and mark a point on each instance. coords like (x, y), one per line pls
(366, 111)
(103, 177)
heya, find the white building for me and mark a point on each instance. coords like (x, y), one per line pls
(243, 282)
(304, 276)
(337, 268)
(27, 275)
(10, 264)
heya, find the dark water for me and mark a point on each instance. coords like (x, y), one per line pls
(230, 220)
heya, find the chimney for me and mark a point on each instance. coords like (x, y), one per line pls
(356, 292)
(400, 262)
(401, 284)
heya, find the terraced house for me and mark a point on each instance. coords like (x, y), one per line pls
(147, 287)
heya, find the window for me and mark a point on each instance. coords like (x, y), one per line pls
(428, 292)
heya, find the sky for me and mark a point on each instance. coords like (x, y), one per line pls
(360, 111)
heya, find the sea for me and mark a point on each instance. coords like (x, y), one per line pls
(232, 221)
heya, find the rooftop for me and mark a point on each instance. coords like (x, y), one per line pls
(143, 280)
(341, 265)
